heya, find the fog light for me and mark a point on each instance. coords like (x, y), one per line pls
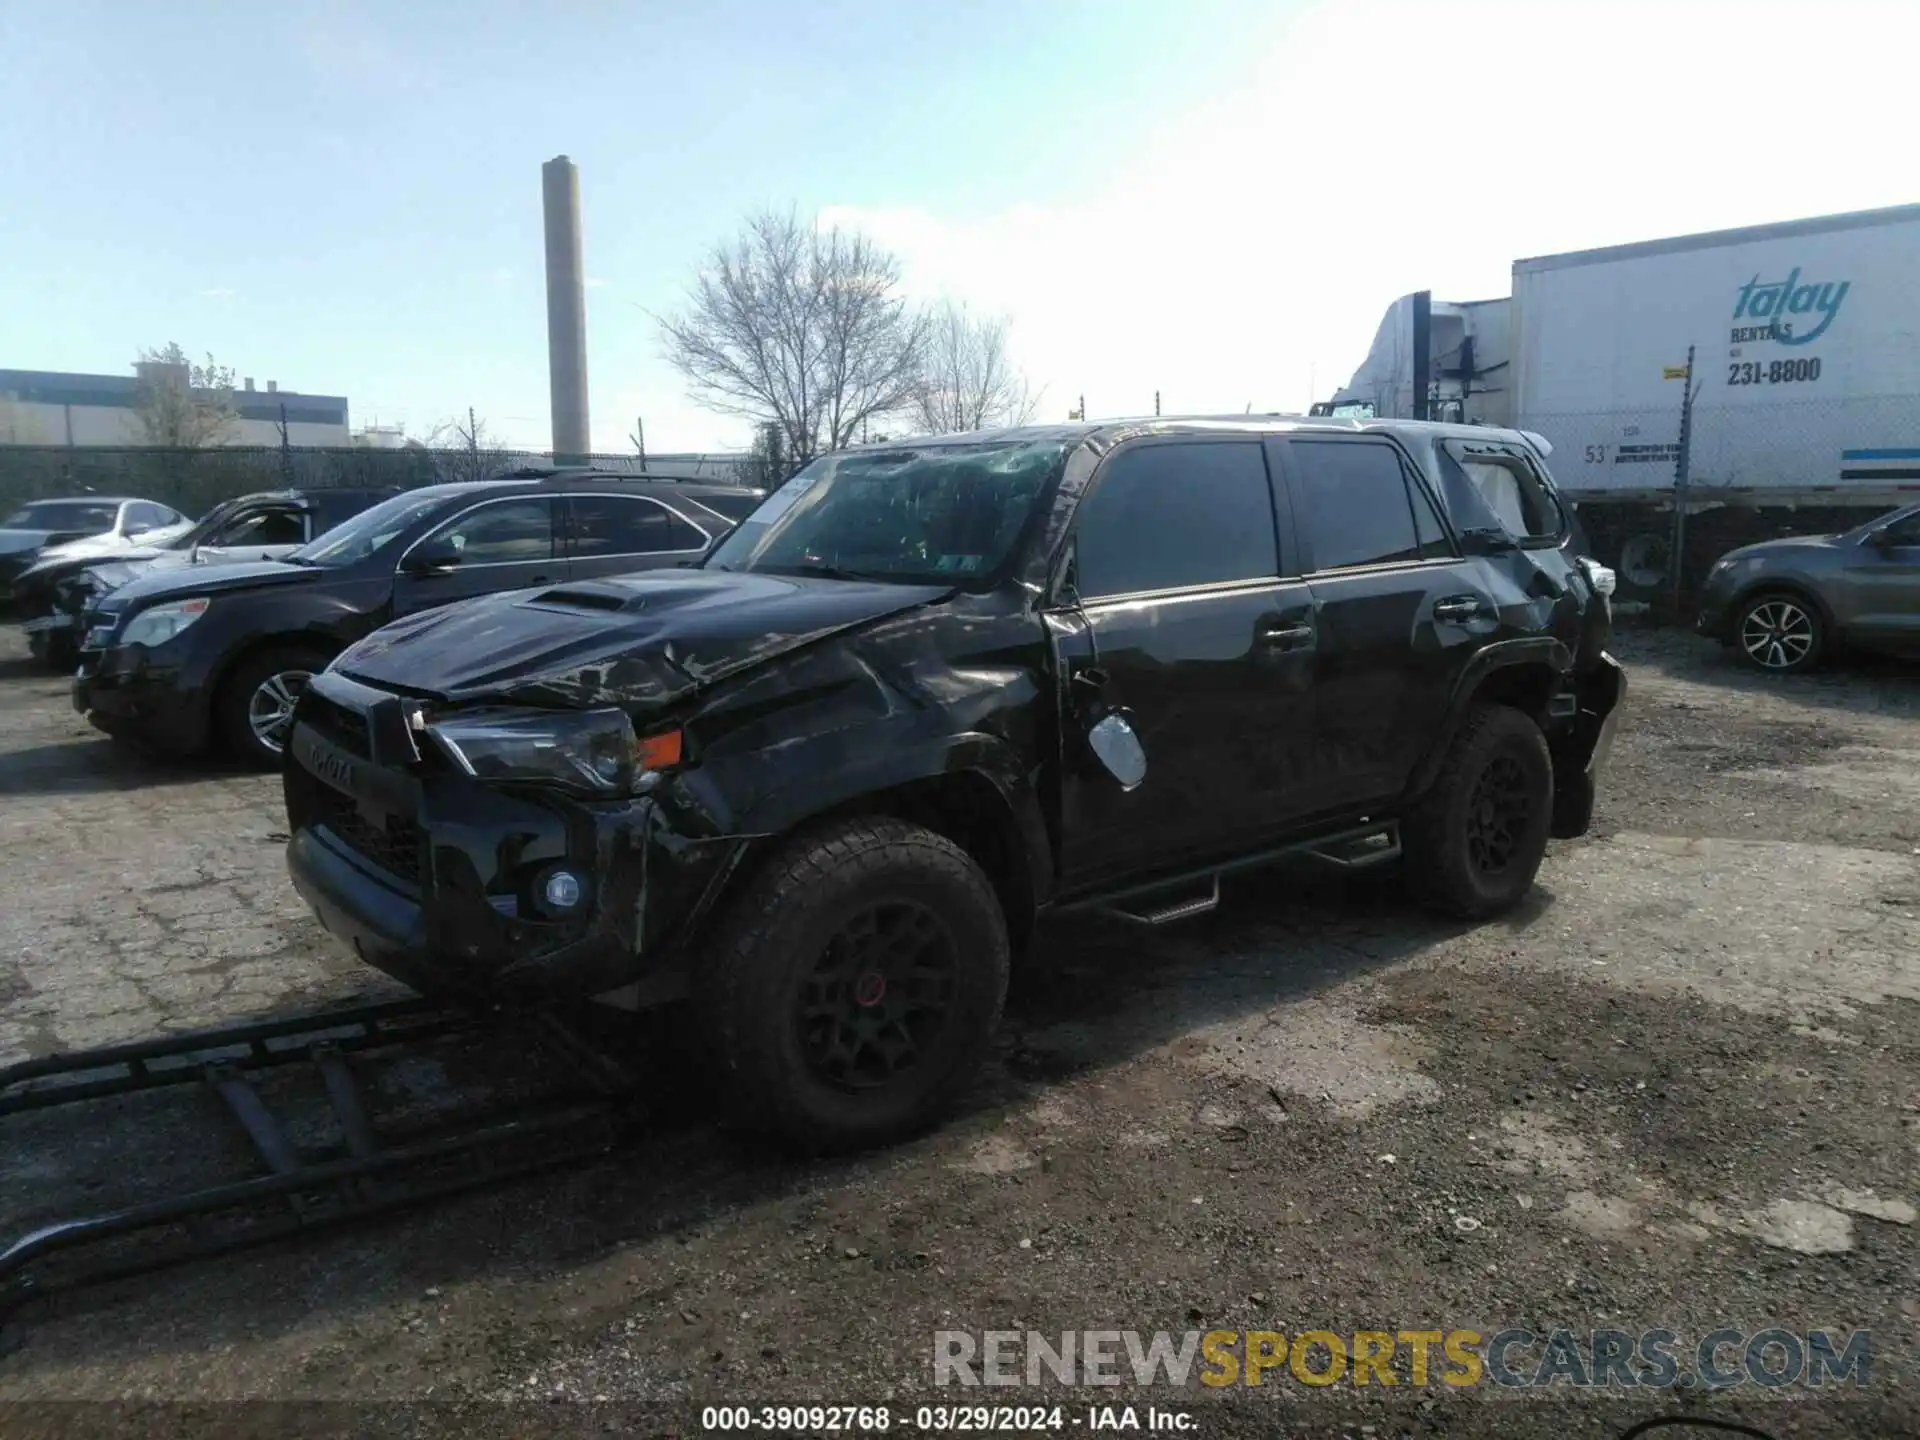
(563, 890)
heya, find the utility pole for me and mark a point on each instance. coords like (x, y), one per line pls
(1156, 402)
(286, 447)
(1681, 477)
(640, 440)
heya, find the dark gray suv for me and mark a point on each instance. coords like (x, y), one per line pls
(1787, 604)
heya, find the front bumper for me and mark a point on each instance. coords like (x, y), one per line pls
(435, 878)
(1716, 616)
(1582, 750)
(137, 693)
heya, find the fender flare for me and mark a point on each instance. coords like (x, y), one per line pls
(890, 768)
(1500, 655)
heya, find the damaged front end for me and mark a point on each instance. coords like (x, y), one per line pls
(490, 799)
(490, 852)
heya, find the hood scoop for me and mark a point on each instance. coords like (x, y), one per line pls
(573, 598)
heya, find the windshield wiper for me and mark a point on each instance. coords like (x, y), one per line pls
(836, 572)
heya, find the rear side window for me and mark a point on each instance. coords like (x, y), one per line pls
(627, 525)
(734, 507)
(1161, 517)
(1354, 505)
(1502, 489)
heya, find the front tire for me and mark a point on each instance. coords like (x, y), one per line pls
(853, 986)
(1780, 633)
(254, 710)
(1474, 842)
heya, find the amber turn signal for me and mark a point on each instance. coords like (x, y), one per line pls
(658, 752)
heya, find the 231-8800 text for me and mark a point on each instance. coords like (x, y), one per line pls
(1772, 372)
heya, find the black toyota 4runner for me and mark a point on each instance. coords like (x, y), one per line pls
(823, 784)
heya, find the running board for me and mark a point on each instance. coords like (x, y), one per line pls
(1361, 847)
(1357, 850)
(1169, 914)
(296, 1188)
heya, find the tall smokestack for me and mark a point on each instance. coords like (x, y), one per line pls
(566, 310)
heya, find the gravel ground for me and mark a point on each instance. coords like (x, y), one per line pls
(1679, 1090)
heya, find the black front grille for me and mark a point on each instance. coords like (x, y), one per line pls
(345, 728)
(393, 846)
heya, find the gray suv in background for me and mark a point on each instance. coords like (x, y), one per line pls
(1787, 604)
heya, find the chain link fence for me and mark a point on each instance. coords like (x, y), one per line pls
(1760, 464)
(1771, 443)
(193, 481)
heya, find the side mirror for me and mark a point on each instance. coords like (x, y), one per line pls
(1118, 748)
(435, 557)
(1110, 733)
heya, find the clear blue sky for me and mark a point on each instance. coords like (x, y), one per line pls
(345, 197)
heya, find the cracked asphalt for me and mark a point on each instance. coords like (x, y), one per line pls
(1680, 1089)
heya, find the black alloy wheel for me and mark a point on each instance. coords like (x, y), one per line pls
(879, 997)
(1497, 814)
(852, 984)
(1475, 840)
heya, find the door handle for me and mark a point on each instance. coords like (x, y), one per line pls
(540, 580)
(1459, 607)
(1286, 637)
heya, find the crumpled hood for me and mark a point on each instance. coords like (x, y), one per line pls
(638, 641)
(151, 543)
(160, 585)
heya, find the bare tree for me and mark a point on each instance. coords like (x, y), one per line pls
(464, 449)
(181, 405)
(798, 327)
(967, 380)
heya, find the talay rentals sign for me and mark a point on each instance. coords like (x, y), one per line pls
(1774, 303)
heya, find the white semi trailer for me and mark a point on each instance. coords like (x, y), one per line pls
(1805, 379)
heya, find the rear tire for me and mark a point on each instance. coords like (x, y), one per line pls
(1780, 632)
(853, 986)
(254, 710)
(1474, 842)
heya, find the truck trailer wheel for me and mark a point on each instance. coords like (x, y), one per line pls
(1475, 840)
(853, 986)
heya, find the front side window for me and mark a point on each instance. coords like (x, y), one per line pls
(1164, 517)
(1352, 504)
(606, 525)
(144, 515)
(927, 514)
(263, 527)
(370, 531)
(1904, 531)
(507, 533)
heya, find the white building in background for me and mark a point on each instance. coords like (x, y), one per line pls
(51, 407)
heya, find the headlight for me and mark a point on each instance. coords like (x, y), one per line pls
(1599, 576)
(589, 752)
(161, 623)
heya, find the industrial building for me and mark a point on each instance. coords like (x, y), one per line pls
(51, 407)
